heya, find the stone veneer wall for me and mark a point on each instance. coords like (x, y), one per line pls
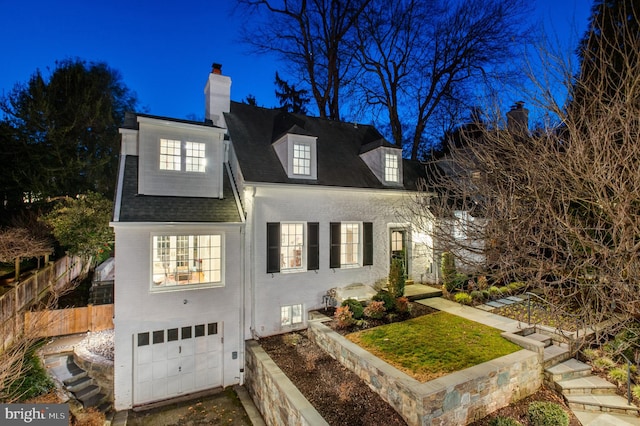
(98, 368)
(277, 399)
(458, 398)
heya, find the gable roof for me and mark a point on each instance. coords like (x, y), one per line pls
(150, 208)
(253, 129)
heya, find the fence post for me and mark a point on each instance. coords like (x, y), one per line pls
(90, 313)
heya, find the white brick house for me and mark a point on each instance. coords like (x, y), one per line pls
(236, 227)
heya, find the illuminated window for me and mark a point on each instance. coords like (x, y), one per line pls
(350, 244)
(194, 157)
(290, 315)
(170, 158)
(291, 245)
(184, 260)
(391, 171)
(301, 159)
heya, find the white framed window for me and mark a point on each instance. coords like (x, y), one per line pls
(170, 154)
(350, 244)
(461, 225)
(292, 246)
(301, 159)
(391, 168)
(195, 160)
(181, 261)
(290, 315)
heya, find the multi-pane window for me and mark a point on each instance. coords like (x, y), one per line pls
(291, 245)
(391, 170)
(462, 223)
(350, 244)
(170, 158)
(290, 315)
(301, 159)
(195, 160)
(186, 259)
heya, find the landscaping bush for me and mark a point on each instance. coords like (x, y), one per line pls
(388, 299)
(343, 317)
(482, 282)
(547, 414)
(477, 295)
(516, 286)
(590, 354)
(355, 307)
(604, 363)
(396, 278)
(34, 382)
(463, 298)
(618, 375)
(635, 390)
(375, 309)
(504, 421)
(504, 290)
(448, 269)
(494, 291)
(402, 305)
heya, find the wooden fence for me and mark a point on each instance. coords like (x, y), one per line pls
(61, 322)
(30, 289)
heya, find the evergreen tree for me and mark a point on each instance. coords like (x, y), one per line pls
(291, 99)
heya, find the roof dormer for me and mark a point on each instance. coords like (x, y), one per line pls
(385, 161)
(298, 154)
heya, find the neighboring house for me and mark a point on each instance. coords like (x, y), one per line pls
(235, 228)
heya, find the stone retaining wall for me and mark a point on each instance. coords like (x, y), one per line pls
(98, 368)
(458, 398)
(277, 399)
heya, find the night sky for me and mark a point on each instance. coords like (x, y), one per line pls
(164, 50)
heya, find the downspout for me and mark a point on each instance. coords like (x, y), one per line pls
(252, 278)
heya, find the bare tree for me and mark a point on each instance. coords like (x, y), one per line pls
(558, 207)
(308, 35)
(19, 243)
(423, 60)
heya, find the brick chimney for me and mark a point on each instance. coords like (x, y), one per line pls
(217, 96)
(518, 119)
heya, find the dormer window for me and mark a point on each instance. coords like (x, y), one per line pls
(301, 159)
(170, 158)
(172, 153)
(391, 169)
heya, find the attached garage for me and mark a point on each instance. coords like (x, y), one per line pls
(175, 361)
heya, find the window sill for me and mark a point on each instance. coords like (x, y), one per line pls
(158, 288)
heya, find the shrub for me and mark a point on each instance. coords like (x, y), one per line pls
(494, 291)
(635, 390)
(34, 382)
(477, 295)
(504, 421)
(590, 354)
(355, 307)
(448, 269)
(547, 414)
(396, 277)
(388, 299)
(618, 375)
(375, 309)
(516, 285)
(291, 339)
(604, 363)
(463, 298)
(402, 305)
(483, 283)
(504, 290)
(344, 317)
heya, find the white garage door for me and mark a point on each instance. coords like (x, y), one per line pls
(176, 361)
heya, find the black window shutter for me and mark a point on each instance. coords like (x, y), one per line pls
(334, 252)
(313, 246)
(273, 247)
(367, 243)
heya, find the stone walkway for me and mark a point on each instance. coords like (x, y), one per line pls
(585, 412)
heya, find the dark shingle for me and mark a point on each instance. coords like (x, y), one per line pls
(147, 208)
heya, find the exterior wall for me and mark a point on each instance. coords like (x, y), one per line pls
(153, 181)
(277, 399)
(306, 203)
(456, 399)
(139, 310)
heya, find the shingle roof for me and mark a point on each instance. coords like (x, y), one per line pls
(253, 129)
(146, 208)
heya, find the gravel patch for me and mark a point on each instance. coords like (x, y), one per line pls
(99, 343)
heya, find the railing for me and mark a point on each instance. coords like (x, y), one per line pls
(563, 313)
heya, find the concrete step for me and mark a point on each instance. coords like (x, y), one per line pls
(604, 403)
(78, 384)
(569, 369)
(84, 395)
(590, 385)
(589, 418)
(97, 400)
(555, 354)
(543, 338)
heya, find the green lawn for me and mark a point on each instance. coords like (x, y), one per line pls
(433, 345)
